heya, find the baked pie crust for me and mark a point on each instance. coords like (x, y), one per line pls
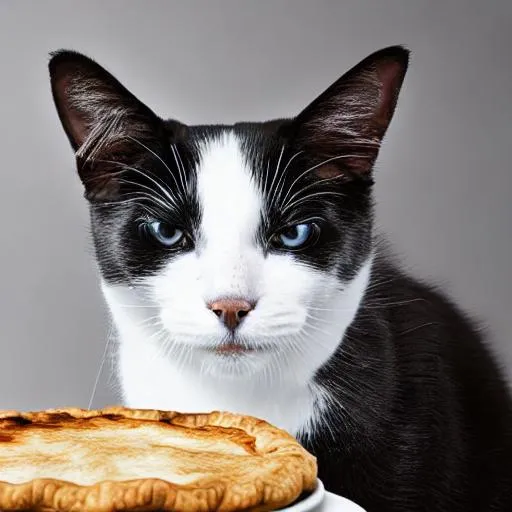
(117, 458)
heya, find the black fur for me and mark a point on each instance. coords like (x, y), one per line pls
(426, 423)
(421, 418)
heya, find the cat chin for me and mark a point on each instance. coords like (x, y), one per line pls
(251, 361)
(235, 366)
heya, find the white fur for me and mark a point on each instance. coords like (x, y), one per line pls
(165, 327)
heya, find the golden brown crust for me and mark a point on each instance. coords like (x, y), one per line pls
(216, 461)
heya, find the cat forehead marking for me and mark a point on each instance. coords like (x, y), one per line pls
(229, 196)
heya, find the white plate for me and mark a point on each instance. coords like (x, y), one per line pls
(334, 503)
(310, 503)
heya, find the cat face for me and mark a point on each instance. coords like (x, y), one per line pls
(231, 248)
(243, 238)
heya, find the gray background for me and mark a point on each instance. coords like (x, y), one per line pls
(443, 184)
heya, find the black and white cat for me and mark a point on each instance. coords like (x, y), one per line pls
(243, 273)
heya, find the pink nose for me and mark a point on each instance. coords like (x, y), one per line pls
(231, 311)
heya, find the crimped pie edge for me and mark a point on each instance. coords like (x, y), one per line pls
(297, 472)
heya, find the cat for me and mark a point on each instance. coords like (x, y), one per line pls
(243, 272)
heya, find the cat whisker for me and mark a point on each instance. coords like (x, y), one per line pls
(142, 198)
(100, 368)
(312, 168)
(276, 172)
(416, 328)
(151, 194)
(373, 303)
(157, 157)
(318, 319)
(266, 176)
(151, 321)
(331, 310)
(309, 197)
(139, 201)
(138, 306)
(181, 168)
(280, 184)
(167, 193)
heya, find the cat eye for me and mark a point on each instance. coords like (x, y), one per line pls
(164, 233)
(296, 236)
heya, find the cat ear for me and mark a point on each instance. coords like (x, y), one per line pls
(102, 120)
(346, 124)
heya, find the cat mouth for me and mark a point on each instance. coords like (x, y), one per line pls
(233, 348)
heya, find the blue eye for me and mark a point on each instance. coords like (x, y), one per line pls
(164, 233)
(296, 236)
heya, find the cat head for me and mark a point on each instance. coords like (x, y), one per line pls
(231, 248)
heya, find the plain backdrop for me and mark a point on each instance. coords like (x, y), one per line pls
(444, 179)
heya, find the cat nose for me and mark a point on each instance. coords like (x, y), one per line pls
(231, 311)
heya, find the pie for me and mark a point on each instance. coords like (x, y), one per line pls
(117, 458)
